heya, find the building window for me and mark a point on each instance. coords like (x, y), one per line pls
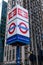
(10, 55)
(7, 55)
(24, 3)
(13, 3)
(26, 55)
(13, 55)
(5, 52)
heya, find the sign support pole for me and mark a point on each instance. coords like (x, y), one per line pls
(18, 55)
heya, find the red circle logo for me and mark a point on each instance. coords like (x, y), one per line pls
(23, 28)
(12, 28)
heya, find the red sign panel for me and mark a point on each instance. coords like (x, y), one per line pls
(22, 13)
(12, 13)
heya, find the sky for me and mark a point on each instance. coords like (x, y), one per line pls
(1, 7)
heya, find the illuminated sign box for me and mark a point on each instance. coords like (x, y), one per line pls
(17, 27)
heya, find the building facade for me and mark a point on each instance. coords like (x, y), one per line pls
(2, 29)
(35, 24)
(42, 18)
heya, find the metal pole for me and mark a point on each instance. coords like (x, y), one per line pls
(18, 55)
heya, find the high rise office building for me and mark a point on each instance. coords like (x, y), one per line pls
(35, 24)
(3, 13)
(36, 28)
(42, 18)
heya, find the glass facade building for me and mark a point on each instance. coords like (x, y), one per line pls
(3, 13)
(42, 18)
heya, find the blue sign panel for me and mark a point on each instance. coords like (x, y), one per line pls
(18, 38)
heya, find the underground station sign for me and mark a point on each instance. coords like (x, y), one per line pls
(18, 26)
(18, 31)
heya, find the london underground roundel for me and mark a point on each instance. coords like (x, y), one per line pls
(23, 28)
(12, 28)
